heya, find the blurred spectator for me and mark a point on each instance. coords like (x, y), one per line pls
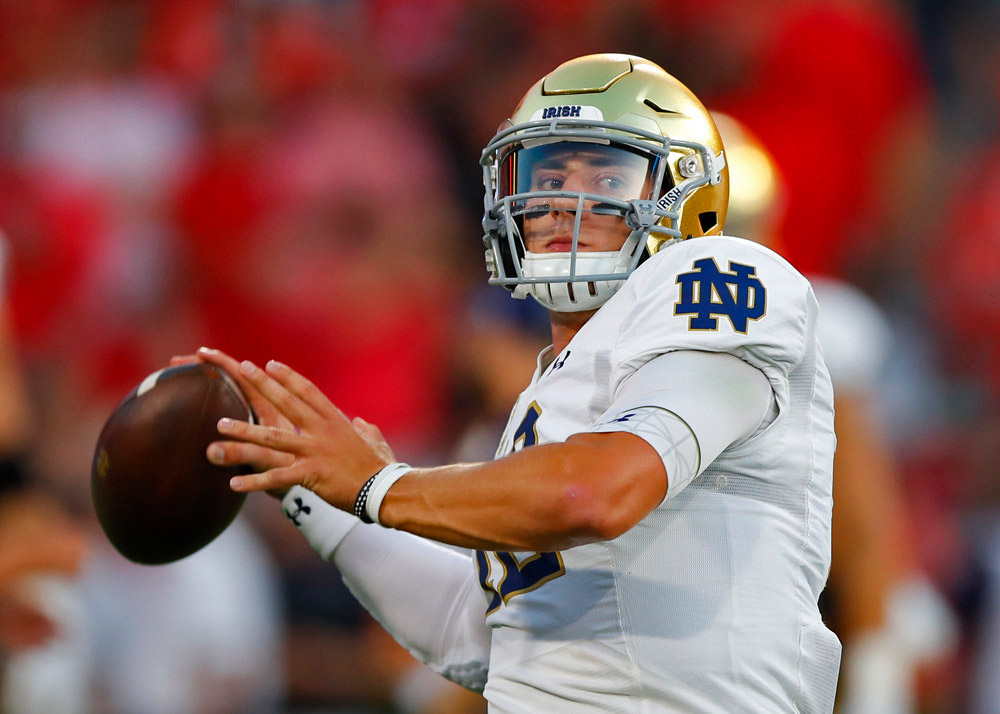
(499, 353)
(339, 213)
(964, 306)
(342, 222)
(95, 148)
(40, 547)
(201, 635)
(965, 301)
(837, 92)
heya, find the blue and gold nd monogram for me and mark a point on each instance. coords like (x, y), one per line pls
(707, 294)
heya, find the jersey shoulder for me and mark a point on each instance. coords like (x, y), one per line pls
(717, 294)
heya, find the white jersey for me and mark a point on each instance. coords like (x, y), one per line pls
(709, 603)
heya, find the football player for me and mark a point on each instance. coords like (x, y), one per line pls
(654, 533)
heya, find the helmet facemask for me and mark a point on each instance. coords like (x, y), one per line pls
(573, 206)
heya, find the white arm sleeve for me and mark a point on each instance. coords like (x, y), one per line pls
(689, 406)
(424, 594)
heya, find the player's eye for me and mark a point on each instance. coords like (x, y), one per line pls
(550, 182)
(611, 183)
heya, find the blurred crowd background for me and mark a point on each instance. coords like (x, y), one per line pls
(299, 180)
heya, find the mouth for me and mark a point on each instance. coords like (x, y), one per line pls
(561, 244)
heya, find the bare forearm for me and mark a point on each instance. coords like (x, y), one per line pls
(550, 497)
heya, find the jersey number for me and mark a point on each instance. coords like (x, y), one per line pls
(518, 576)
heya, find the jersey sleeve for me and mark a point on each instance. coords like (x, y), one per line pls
(718, 294)
(689, 406)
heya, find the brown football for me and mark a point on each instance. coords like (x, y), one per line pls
(156, 495)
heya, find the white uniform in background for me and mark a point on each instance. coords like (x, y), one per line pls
(880, 666)
(202, 634)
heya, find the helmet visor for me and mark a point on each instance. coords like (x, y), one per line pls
(548, 184)
(577, 166)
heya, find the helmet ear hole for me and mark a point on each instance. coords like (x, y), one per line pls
(708, 220)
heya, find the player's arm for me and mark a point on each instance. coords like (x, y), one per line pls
(592, 487)
(444, 627)
(668, 421)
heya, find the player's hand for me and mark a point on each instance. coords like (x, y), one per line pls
(303, 438)
(263, 409)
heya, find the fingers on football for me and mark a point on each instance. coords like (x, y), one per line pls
(236, 453)
(271, 437)
(227, 363)
(264, 409)
(207, 354)
(305, 390)
(285, 401)
(273, 480)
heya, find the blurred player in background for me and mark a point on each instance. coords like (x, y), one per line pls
(41, 548)
(663, 543)
(888, 615)
(186, 636)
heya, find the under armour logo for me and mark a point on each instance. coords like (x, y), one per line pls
(560, 362)
(299, 508)
(707, 293)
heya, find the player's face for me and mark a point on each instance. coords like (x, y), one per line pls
(598, 170)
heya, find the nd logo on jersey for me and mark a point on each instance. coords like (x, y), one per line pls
(707, 294)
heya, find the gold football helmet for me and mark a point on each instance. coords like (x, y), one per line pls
(652, 170)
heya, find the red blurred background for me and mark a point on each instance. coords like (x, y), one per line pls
(299, 180)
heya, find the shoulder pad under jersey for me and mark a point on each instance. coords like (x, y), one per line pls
(718, 294)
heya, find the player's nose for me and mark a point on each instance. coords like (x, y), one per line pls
(563, 205)
(559, 206)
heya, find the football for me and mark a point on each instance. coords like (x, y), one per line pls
(156, 495)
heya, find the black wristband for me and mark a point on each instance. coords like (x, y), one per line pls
(361, 502)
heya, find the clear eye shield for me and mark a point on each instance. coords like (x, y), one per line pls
(554, 177)
(570, 196)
